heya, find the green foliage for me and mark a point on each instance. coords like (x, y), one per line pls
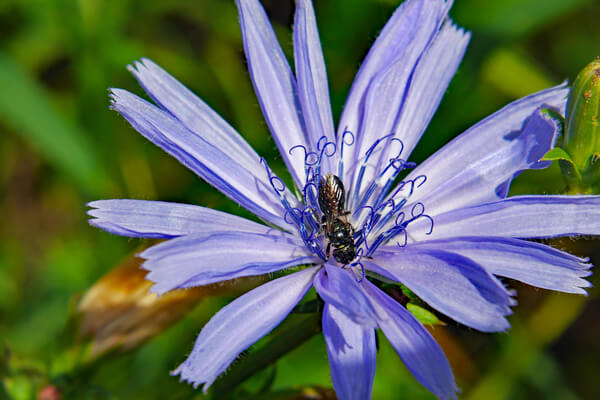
(425, 316)
(27, 108)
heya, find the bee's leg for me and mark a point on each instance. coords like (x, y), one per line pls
(323, 225)
(327, 251)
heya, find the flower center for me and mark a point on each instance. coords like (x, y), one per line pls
(350, 225)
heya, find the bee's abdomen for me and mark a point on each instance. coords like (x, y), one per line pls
(345, 254)
(331, 195)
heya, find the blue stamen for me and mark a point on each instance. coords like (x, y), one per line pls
(376, 223)
(343, 142)
(361, 171)
(303, 221)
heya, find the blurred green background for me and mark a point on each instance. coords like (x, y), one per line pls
(60, 147)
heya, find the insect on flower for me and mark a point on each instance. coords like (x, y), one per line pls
(446, 231)
(332, 200)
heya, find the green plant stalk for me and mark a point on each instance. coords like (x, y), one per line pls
(265, 356)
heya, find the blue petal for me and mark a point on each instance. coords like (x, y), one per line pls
(236, 326)
(375, 99)
(452, 284)
(249, 188)
(340, 288)
(415, 346)
(429, 82)
(201, 259)
(274, 84)
(162, 220)
(351, 352)
(196, 115)
(533, 263)
(474, 166)
(425, 88)
(519, 217)
(313, 90)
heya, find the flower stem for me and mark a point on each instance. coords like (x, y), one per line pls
(266, 355)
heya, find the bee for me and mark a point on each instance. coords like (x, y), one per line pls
(339, 232)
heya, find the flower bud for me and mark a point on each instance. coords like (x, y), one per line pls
(578, 150)
(582, 139)
(119, 311)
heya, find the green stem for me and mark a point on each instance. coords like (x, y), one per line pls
(266, 355)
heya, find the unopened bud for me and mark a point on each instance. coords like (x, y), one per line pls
(582, 139)
(119, 311)
(578, 151)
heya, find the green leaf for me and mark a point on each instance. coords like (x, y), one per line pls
(28, 110)
(557, 154)
(424, 316)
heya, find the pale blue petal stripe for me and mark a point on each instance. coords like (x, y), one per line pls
(313, 90)
(274, 84)
(340, 288)
(249, 188)
(452, 284)
(236, 326)
(530, 262)
(202, 259)
(163, 220)
(473, 166)
(196, 115)
(415, 346)
(351, 352)
(518, 217)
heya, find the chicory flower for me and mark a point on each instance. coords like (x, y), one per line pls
(446, 230)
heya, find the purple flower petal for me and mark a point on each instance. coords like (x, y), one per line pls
(429, 82)
(452, 284)
(351, 352)
(478, 165)
(519, 217)
(236, 326)
(313, 90)
(533, 263)
(201, 259)
(415, 346)
(377, 94)
(339, 287)
(196, 115)
(274, 84)
(250, 189)
(162, 220)
(427, 85)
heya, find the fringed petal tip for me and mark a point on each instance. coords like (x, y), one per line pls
(185, 375)
(121, 101)
(139, 65)
(93, 204)
(116, 96)
(144, 66)
(113, 94)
